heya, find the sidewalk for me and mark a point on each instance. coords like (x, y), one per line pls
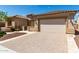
(5, 50)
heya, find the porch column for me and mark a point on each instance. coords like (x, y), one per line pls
(23, 28)
(36, 24)
(13, 24)
(70, 28)
(6, 24)
(68, 25)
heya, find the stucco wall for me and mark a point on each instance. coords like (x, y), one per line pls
(69, 27)
(34, 25)
(18, 23)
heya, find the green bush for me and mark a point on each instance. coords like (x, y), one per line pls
(2, 33)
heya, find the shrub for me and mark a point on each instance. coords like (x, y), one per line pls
(2, 33)
(13, 29)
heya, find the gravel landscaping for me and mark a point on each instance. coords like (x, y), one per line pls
(9, 36)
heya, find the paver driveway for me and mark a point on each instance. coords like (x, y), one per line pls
(39, 42)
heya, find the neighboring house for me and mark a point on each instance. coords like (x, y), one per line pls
(48, 22)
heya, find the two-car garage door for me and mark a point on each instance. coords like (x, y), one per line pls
(52, 25)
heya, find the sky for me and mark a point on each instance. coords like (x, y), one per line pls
(35, 9)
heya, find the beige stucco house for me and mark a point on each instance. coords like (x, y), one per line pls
(46, 22)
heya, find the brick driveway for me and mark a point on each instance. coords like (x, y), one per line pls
(39, 42)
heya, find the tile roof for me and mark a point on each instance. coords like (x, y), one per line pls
(19, 16)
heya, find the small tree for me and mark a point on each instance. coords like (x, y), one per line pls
(3, 16)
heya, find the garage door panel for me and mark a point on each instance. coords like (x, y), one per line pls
(52, 21)
(53, 25)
